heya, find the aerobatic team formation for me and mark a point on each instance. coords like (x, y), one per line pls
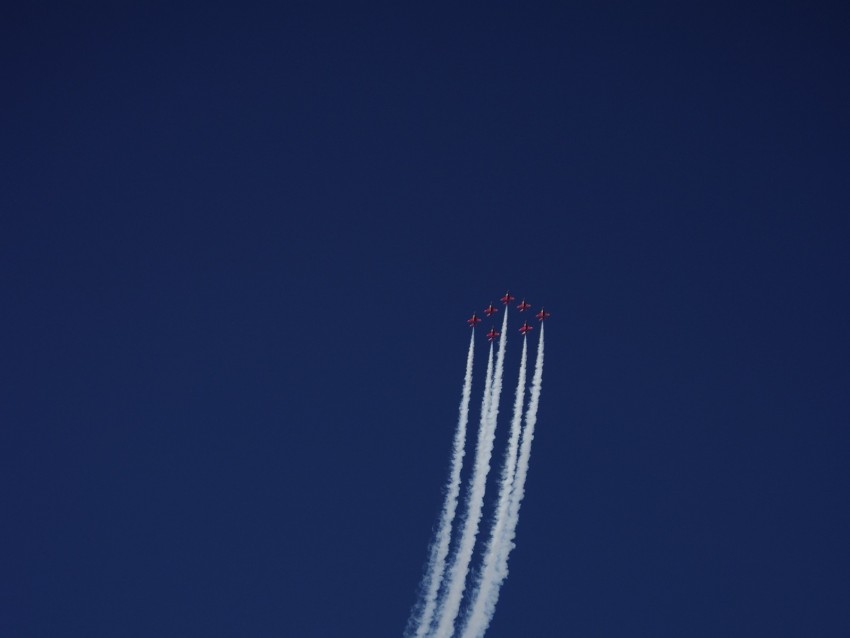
(507, 299)
(437, 612)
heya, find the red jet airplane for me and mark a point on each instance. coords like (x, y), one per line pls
(508, 298)
(473, 320)
(542, 314)
(490, 310)
(526, 328)
(493, 333)
(523, 306)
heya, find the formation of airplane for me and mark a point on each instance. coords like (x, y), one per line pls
(490, 310)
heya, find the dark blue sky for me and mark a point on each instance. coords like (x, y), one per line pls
(237, 250)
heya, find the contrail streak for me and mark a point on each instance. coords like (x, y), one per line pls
(424, 612)
(501, 571)
(487, 587)
(456, 577)
(485, 408)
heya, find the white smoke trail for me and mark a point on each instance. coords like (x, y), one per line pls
(456, 576)
(423, 613)
(485, 408)
(477, 618)
(507, 544)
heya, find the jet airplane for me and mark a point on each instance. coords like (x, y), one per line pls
(526, 328)
(490, 310)
(492, 334)
(523, 306)
(508, 298)
(474, 319)
(542, 314)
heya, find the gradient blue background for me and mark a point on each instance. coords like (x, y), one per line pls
(238, 246)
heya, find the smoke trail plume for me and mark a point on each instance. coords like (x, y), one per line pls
(478, 618)
(507, 544)
(423, 614)
(456, 576)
